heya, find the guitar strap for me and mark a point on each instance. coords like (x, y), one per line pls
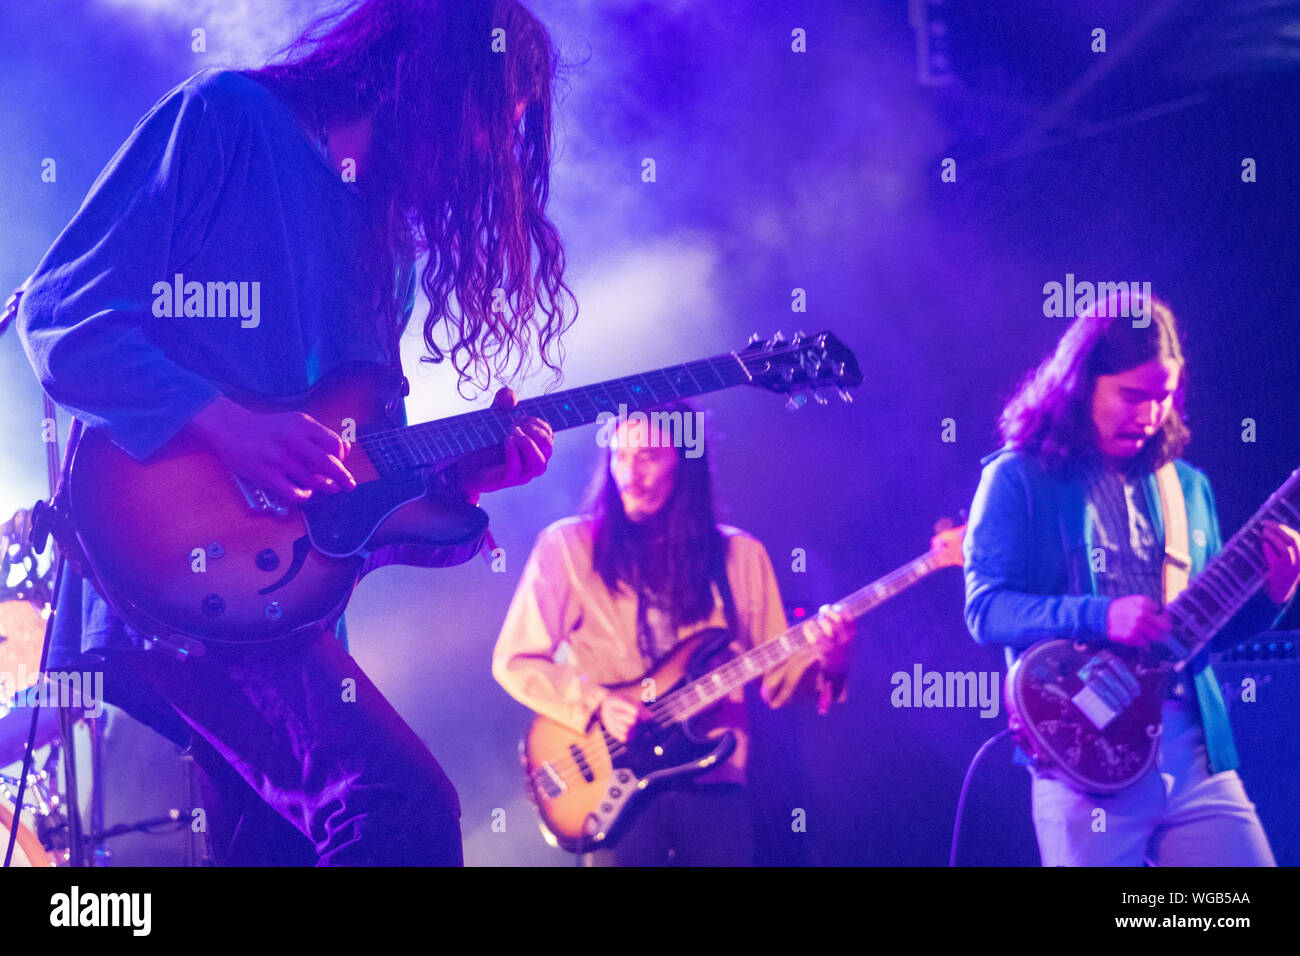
(1220, 752)
(724, 589)
(646, 638)
(1178, 556)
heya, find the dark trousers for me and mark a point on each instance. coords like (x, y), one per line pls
(684, 825)
(305, 761)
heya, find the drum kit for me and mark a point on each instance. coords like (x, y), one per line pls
(24, 603)
(47, 828)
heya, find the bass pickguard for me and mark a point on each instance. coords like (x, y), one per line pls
(676, 749)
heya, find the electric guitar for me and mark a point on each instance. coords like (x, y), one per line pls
(1056, 702)
(581, 783)
(191, 555)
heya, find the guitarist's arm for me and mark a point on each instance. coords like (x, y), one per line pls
(541, 614)
(84, 316)
(1001, 605)
(87, 311)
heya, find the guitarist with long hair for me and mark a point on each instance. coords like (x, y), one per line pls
(304, 194)
(608, 594)
(1067, 540)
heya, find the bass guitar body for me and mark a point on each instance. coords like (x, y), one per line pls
(189, 553)
(581, 784)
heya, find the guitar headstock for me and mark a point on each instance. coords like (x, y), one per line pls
(806, 363)
(945, 546)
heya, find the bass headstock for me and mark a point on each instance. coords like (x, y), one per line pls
(801, 366)
(945, 546)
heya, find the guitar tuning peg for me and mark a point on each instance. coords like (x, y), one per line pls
(800, 336)
(754, 339)
(819, 398)
(845, 396)
(777, 339)
(796, 402)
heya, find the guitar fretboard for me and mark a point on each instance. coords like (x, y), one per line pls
(1232, 578)
(441, 442)
(702, 693)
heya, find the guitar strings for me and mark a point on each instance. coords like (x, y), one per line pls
(567, 767)
(659, 709)
(394, 437)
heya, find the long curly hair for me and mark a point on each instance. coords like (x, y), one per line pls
(679, 553)
(1051, 412)
(454, 172)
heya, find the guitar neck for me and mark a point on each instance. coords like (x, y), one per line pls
(1232, 578)
(441, 442)
(702, 693)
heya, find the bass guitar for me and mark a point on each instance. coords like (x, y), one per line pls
(582, 783)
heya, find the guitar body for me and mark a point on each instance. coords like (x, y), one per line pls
(581, 790)
(1062, 697)
(1056, 719)
(185, 551)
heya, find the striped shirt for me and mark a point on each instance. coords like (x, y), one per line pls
(1122, 527)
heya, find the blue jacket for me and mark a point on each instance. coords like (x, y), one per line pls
(1029, 575)
(217, 183)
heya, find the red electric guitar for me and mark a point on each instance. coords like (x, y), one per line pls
(1052, 691)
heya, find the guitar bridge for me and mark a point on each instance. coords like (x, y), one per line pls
(549, 781)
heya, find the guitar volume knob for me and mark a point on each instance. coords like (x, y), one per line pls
(267, 560)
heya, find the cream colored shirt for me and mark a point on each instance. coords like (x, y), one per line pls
(566, 637)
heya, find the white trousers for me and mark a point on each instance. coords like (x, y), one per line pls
(1177, 815)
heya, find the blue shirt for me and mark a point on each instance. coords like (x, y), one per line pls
(1030, 577)
(218, 183)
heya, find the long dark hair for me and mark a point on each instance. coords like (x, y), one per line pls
(1051, 413)
(451, 173)
(677, 553)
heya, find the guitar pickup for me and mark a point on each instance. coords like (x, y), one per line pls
(581, 760)
(259, 500)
